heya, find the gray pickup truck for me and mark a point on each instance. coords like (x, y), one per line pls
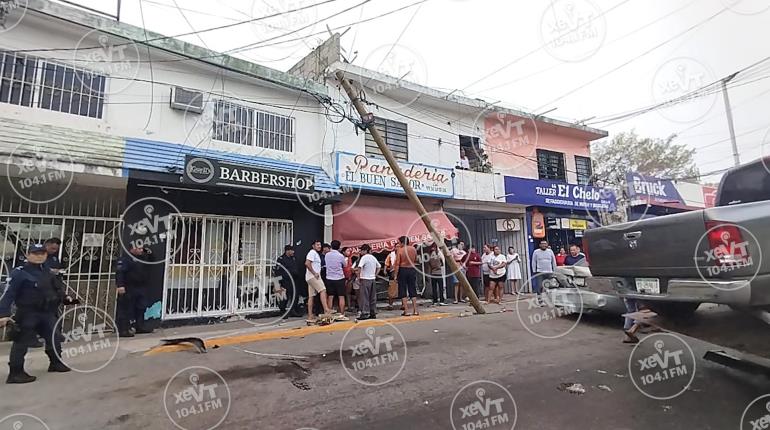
(676, 262)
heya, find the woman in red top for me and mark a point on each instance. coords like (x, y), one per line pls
(473, 264)
(561, 256)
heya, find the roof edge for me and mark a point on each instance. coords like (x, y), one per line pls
(175, 46)
(466, 101)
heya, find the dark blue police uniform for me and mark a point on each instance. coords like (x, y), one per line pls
(52, 262)
(37, 296)
(133, 275)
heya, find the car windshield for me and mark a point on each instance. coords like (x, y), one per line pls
(747, 184)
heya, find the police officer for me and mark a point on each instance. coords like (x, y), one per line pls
(132, 276)
(37, 296)
(52, 262)
(289, 272)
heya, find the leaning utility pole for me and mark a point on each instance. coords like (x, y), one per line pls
(410, 193)
(729, 112)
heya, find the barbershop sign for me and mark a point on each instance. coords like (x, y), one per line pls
(532, 192)
(360, 171)
(211, 172)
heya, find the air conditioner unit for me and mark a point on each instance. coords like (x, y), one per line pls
(186, 100)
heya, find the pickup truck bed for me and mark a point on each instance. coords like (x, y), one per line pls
(713, 255)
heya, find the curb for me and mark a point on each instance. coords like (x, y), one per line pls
(295, 332)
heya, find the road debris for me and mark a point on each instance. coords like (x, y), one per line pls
(603, 372)
(572, 388)
(196, 342)
(604, 387)
(276, 356)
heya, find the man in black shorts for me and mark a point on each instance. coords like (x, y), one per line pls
(335, 277)
(405, 272)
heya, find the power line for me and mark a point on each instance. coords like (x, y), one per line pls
(559, 64)
(253, 45)
(195, 32)
(590, 20)
(614, 69)
(704, 91)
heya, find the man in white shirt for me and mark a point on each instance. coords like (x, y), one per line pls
(315, 286)
(367, 269)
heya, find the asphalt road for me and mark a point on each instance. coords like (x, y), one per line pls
(301, 383)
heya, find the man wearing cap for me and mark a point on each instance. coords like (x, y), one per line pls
(132, 275)
(37, 298)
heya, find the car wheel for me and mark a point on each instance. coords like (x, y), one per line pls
(678, 310)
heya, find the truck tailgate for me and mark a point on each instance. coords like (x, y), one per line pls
(655, 247)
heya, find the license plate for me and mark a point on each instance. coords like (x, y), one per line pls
(648, 285)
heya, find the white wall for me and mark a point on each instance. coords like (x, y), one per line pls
(140, 109)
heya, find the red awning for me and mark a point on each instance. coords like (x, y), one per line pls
(380, 221)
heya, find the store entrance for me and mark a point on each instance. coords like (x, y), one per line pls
(219, 266)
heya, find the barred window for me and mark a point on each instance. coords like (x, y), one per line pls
(246, 126)
(550, 165)
(33, 82)
(17, 78)
(395, 135)
(584, 170)
(70, 90)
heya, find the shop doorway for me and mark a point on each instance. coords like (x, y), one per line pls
(220, 266)
(87, 224)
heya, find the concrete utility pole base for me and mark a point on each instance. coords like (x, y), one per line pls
(411, 194)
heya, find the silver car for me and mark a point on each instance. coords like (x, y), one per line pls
(566, 289)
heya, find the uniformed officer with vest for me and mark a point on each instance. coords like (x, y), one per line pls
(132, 277)
(32, 288)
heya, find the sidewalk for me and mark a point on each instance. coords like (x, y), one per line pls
(245, 331)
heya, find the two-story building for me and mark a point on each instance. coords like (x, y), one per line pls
(487, 170)
(115, 137)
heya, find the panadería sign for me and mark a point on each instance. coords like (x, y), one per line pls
(360, 171)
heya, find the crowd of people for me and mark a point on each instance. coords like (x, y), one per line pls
(343, 280)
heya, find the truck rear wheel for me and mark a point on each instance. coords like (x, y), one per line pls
(674, 310)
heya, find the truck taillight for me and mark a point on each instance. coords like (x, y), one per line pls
(726, 244)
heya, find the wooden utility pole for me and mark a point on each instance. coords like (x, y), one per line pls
(411, 194)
